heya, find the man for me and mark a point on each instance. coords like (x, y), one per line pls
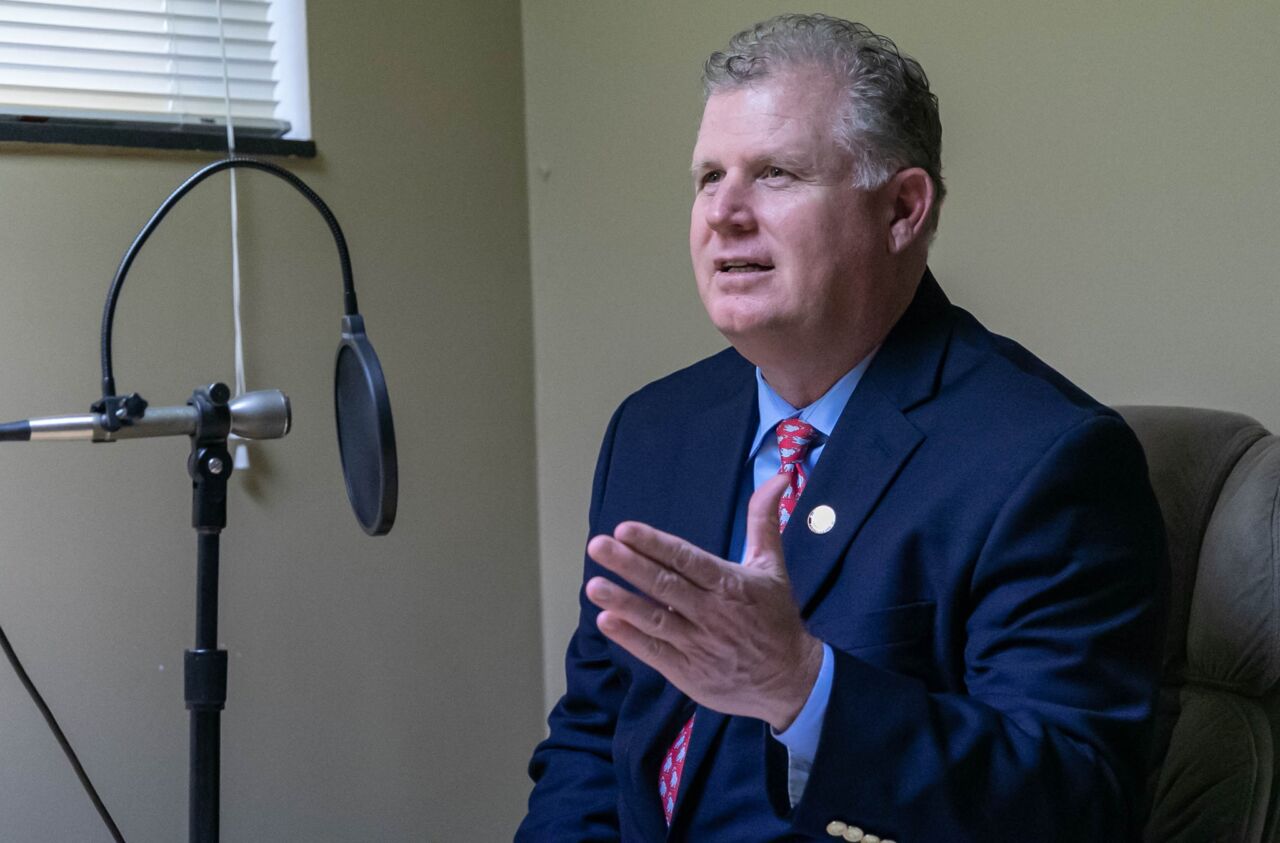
(945, 622)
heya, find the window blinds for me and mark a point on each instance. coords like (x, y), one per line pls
(150, 63)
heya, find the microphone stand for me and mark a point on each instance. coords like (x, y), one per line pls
(364, 431)
(205, 666)
(210, 464)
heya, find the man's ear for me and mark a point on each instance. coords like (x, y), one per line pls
(912, 196)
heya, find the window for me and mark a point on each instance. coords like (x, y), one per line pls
(156, 73)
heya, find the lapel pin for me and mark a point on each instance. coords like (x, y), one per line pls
(821, 519)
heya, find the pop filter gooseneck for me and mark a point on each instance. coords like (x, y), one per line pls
(366, 435)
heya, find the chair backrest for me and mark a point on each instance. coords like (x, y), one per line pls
(1215, 774)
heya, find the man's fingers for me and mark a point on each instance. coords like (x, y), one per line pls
(654, 652)
(689, 561)
(658, 581)
(652, 619)
(764, 540)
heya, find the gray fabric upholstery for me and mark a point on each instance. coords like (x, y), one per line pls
(1215, 776)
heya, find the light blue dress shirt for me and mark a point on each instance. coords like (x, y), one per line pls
(801, 737)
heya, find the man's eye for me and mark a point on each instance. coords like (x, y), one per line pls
(774, 172)
(712, 177)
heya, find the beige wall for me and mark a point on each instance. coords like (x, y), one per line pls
(1114, 205)
(381, 689)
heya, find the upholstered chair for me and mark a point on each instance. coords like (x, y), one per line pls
(1215, 775)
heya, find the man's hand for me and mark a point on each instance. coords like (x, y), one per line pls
(730, 636)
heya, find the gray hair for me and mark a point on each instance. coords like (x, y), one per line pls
(890, 119)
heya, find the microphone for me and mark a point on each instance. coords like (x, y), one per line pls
(264, 414)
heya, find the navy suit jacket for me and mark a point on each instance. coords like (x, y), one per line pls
(992, 590)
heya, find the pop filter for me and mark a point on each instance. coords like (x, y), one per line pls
(366, 435)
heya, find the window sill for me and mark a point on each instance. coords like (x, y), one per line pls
(117, 136)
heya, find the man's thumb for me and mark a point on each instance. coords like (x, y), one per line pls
(764, 540)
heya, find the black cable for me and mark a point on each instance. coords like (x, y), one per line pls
(109, 310)
(62, 739)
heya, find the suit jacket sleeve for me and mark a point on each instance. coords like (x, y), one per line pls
(1061, 645)
(575, 794)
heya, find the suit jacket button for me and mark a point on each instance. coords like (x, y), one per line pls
(854, 834)
(836, 828)
(871, 838)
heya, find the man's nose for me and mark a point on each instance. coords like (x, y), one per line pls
(731, 206)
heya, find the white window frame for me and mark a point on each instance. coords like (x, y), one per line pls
(167, 79)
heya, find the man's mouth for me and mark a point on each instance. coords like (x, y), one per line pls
(743, 266)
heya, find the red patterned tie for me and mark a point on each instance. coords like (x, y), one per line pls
(794, 440)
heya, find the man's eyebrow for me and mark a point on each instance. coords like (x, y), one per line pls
(701, 166)
(777, 158)
(793, 163)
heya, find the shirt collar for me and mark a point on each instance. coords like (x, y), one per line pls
(822, 414)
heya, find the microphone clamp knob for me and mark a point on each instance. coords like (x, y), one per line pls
(120, 410)
(219, 393)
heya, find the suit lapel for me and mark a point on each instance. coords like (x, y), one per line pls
(870, 442)
(708, 460)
